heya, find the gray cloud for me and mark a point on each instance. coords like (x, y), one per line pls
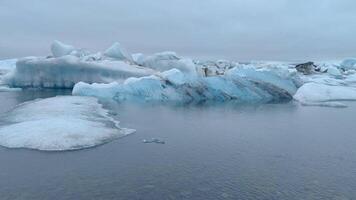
(231, 29)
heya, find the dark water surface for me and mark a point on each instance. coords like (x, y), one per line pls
(275, 151)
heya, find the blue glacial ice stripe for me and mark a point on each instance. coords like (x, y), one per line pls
(243, 85)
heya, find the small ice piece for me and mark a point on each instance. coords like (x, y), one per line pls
(154, 140)
(58, 124)
(117, 51)
(60, 49)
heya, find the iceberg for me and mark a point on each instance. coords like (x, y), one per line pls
(65, 71)
(59, 123)
(242, 85)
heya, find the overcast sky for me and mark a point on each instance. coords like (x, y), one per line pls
(228, 29)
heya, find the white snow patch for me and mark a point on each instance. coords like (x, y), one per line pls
(58, 124)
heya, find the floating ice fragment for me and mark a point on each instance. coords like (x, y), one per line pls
(154, 140)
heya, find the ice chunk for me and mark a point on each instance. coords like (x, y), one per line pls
(312, 93)
(60, 49)
(174, 76)
(118, 52)
(332, 70)
(138, 58)
(65, 71)
(59, 123)
(348, 64)
(168, 60)
(174, 85)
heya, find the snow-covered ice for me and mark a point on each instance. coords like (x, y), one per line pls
(59, 123)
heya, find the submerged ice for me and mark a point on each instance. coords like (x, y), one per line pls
(59, 123)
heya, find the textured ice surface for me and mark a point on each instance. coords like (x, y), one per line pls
(59, 123)
(173, 85)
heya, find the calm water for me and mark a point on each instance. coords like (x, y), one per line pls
(276, 151)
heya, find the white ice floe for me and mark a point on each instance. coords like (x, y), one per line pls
(238, 84)
(59, 123)
(324, 95)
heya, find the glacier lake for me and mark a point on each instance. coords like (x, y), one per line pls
(262, 151)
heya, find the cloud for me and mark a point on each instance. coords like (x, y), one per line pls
(231, 29)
